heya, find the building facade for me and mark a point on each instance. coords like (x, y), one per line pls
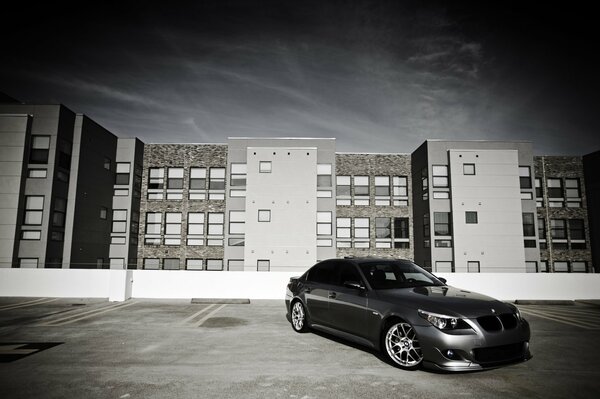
(75, 196)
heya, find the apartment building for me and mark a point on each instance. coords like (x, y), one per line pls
(76, 196)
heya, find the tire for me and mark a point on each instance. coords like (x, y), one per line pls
(298, 317)
(401, 345)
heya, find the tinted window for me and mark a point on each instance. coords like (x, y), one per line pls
(322, 273)
(396, 274)
(347, 272)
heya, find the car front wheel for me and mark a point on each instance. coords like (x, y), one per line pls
(299, 317)
(402, 346)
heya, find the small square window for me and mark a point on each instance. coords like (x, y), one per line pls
(471, 217)
(103, 213)
(264, 215)
(265, 167)
(469, 168)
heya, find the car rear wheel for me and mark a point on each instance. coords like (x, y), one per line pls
(299, 323)
(402, 346)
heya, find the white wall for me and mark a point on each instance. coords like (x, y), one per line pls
(113, 284)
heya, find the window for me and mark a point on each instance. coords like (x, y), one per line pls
(577, 234)
(173, 228)
(441, 195)
(263, 265)
(198, 178)
(443, 243)
(216, 179)
(440, 175)
(40, 149)
(28, 263)
(525, 176)
(444, 267)
(156, 178)
(238, 175)
(539, 196)
(343, 190)
(215, 224)
(468, 168)
(119, 221)
(151, 263)
(361, 232)
(554, 188)
(324, 223)
(543, 266)
(264, 215)
(37, 173)
(34, 206)
(531, 267)
(60, 211)
(573, 193)
(123, 192)
(424, 184)
(153, 228)
(401, 233)
(473, 267)
(561, 267)
(558, 228)
(195, 233)
(237, 222)
(193, 264)
(442, 225)
(236, 242)
(31, 235)
(214, 264)
(382, 186)
(118, 240)
(383, 228)
(400, 190)
(103, 213)
(106, 163)
(174, 179)
(323, 273)
(361, 190)
(265, 167)
(471, 217)
(324, 175)
(578, 267)
(122, 176)
(343, 227)
(528, 225)
(171, 264)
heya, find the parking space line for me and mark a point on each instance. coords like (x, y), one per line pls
(591, 317)
(561, 319)
(208, 316)
(85, 315)
(27, 303)
(187, 319)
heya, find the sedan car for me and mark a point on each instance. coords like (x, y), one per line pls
(410, 315)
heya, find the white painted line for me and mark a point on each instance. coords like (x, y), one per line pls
(583, 317)
(197, 314)
(564, 309)
(208, 316)
(91, 313)
(563, 320)
(28, 303)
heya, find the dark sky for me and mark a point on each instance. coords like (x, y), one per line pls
(380, 76)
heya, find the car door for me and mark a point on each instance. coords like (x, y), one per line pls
(318, 285)
(348, 307)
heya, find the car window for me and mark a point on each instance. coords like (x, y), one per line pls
(347, 272)
(323, 273)
(397, 274)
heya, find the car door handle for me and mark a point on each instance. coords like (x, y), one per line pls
(307, 290)
(332, 295)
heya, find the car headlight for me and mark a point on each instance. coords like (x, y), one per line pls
(443, 322)
(517, 312)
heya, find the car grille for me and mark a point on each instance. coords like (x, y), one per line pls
(506, 321)
(499, 354)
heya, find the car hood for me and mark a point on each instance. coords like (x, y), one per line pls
(445, 300)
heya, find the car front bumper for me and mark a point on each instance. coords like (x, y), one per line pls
(476, 351)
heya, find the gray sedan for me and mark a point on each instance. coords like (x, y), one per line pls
(408, 314)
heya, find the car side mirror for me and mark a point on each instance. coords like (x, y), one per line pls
(443, 280)
(354, 284)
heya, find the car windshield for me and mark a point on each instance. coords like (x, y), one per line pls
(397, 274)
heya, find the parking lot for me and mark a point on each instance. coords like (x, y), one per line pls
(66, 348)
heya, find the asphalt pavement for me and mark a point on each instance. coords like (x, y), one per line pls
(90, 348)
